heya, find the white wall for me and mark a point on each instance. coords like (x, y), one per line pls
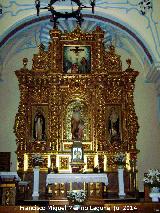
(9, 99)
(148, 139)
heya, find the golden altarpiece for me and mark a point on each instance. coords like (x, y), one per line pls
(76, 75)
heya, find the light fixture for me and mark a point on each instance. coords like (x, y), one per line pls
(74, 14)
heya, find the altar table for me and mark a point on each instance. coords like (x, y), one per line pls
(93, 184)
(9, 175)
(77, 178)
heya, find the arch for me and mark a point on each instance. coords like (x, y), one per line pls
(27, 22)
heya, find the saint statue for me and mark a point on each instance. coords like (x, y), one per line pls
(39, 127)
(77, 124)
(113, 125)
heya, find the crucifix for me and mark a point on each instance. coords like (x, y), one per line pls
(77, 50)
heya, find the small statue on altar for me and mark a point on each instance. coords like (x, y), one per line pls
(77, 125)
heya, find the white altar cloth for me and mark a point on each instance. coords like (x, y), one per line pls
(77, 178)
(10, 175)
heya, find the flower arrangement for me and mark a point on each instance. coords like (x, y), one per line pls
(37, 159)
(120, 159)
(152, 178)
(76, 196)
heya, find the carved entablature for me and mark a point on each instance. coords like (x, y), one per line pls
(76, 90)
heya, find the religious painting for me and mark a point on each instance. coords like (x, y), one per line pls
(113, 124)
(64, 162)
(90, 162)
(77, 154)
(77, 59)
(39, 123)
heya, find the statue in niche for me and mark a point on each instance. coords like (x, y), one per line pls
(114, 125)
(77, 124)
(39, 127)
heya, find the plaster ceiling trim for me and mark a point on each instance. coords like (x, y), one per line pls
(25, 23)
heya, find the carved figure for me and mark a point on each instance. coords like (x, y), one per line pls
(113, 125)
(39, 127)
(80, 130)
(77, 124)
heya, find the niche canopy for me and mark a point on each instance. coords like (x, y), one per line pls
(74, 14)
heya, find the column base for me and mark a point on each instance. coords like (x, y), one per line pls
(35, 194)
(122, 195)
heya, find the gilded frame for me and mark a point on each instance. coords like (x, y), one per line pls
(77, 59)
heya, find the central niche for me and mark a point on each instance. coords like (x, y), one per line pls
(77, 125)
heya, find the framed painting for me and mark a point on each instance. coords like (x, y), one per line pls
(77, 59)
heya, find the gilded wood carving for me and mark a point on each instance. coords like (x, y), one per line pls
(76, 71)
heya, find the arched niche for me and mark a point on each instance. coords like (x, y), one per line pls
(83, 116)
(39, 125)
